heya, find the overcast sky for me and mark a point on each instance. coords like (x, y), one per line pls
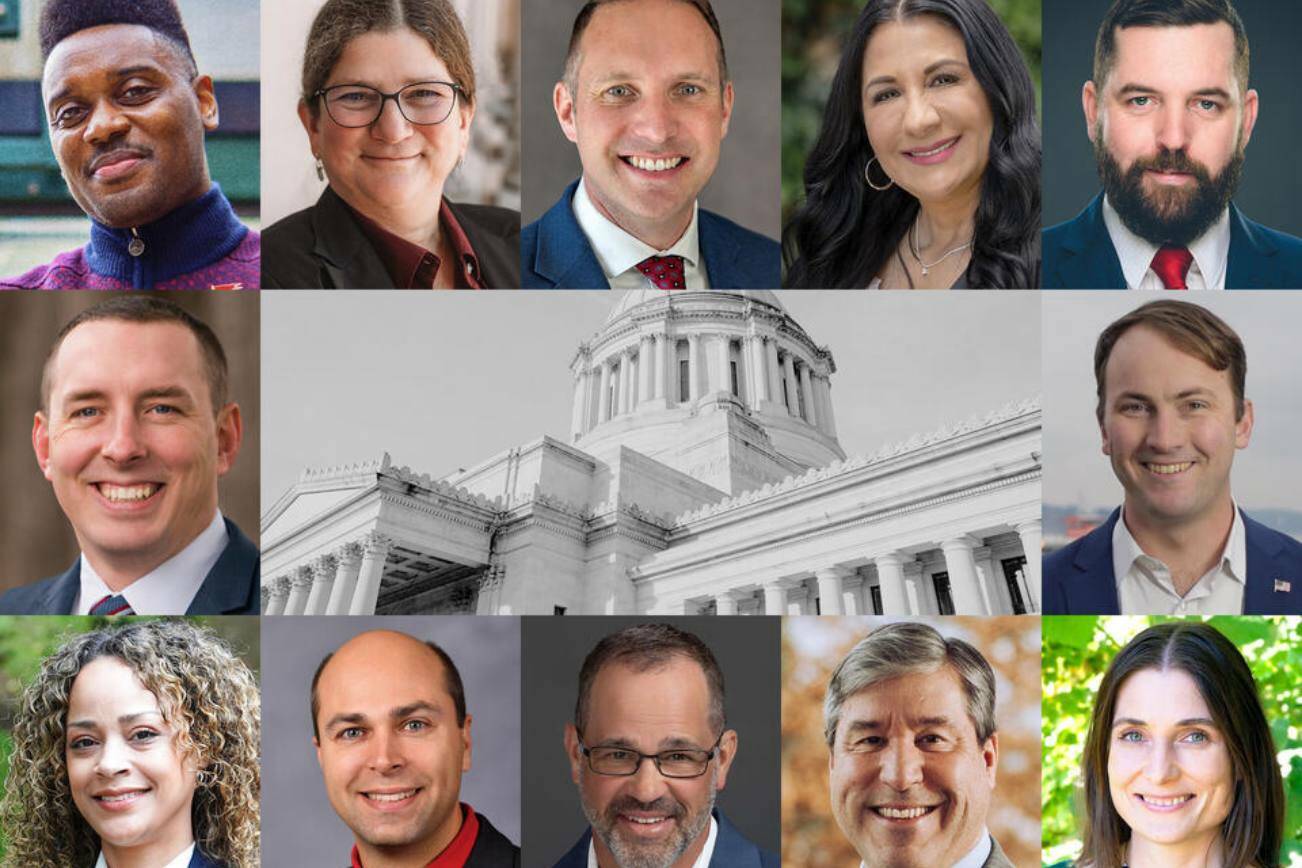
(1270, 323)
(445, 380)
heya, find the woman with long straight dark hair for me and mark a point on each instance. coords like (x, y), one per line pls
(926, 170)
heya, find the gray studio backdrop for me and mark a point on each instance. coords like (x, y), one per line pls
(1271, 183)
(745, 185)
(298, 825)
(749, 653)
(35, 537)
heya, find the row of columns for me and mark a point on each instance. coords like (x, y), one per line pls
(345, 582)
(970, 592)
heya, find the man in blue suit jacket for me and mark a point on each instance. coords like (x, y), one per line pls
(648, 116)
(134, 430)
(1170, 114)
(731, 849)
(1172, 412)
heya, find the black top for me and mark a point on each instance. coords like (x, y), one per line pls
(323, 247)
(492, 849)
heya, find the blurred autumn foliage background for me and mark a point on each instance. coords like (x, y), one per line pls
(813, 36)
(811, 649)
(1078, 649)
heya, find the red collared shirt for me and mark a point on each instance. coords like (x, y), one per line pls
(455, 854)
(412, 266)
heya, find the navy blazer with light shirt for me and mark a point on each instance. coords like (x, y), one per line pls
(731, 850)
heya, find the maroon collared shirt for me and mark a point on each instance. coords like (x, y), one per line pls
(411, 266)
(456, 853)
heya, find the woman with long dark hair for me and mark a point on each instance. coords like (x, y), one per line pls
(926, 170)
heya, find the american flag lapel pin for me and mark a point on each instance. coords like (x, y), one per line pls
(1283, 587)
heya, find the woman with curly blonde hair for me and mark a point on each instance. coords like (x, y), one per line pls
(137, 742)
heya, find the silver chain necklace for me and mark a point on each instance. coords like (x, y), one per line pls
(927, 266)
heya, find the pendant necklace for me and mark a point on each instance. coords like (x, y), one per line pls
(927, 266)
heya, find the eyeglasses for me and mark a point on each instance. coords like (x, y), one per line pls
(424, 103)
(683, 762)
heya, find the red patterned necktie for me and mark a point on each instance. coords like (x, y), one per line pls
(666, 272)
(1171, 264)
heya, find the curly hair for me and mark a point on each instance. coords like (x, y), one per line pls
(207, 696)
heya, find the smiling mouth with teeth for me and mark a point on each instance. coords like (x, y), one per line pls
(1170, 802)
(390, 797)
(911, 812)
(127, 493)
(120, 797)
(1168, 469)
(654, 164)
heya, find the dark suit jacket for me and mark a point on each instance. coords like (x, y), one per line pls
(324, 247)
(731, 850)
(1079, 254)
(1079, 580)
(492, 849)
(997, 858)
(199, 860)
(230, 588)
(555, 254)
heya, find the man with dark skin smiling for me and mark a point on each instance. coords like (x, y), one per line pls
(909, 719)
(127, 112)
(648, 116)
(393, 739)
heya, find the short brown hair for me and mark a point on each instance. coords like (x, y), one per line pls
(584, 18)
(148, 309)
(1190, 328)
(1167, 13)
(645, 647)
(341, 21)
(1253, 830)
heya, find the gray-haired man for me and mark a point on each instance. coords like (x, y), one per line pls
(909, 720)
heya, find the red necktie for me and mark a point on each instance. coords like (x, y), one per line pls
(1171, 264)
(666, 272)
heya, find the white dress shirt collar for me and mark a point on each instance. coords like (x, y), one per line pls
(181, 861)
(974, 858)
(1211, 253)
(702, 861)
(1145, 587)
(618, 252)
(170, 587)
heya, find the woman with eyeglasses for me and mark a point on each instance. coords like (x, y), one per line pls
(388, 100)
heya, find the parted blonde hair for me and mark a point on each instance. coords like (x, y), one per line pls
(207, 696)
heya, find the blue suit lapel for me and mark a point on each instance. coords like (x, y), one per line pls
(732, 849)
(229, 586)
(563, 255)
(1250, 255)
(1267, 564)
(1095, 592)
(62, 593)
(1090, 261)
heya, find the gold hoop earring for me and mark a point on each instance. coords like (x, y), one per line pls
(869, 181)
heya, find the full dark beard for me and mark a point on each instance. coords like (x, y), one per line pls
(1175, 215)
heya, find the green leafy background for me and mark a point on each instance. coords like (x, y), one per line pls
(812, 39)
(1078, 649)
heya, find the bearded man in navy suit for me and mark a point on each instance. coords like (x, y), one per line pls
(1170, 114)
(134, 430)
(1172, 413)
(647, 99)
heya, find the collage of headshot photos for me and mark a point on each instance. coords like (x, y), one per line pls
(682, 537)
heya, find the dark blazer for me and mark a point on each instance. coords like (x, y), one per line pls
(230, 588)
(1079, 254)
(555, 254)
(199, 860)
(324, 247)
(731, 850)
(492, 849)
(1079, 580)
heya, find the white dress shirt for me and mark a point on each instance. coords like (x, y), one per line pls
(702, 861)
(974, 858)
(618, 252)
(181, 861)
(1144, 585)
(170, 587)
(1211, 252)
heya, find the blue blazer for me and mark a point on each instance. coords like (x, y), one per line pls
(1079, 254)
(555, 254)
(1079, 580)
(230, 588)
(731, 850)
(199, 860)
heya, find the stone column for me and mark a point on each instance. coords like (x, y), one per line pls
(277, 594)
(793, 400)
(775, 600)
(723, 362)
(300, 583)
(694, 361)
(1029, 531)
(807, 386)
(341, 594)
(759, 378)
(323, 576)
(829, 590)
(725, 604)
(890, 576)
(625, 383)
(576, 419)
(646, 369)
(603, 399)
(661, 350)
(961, 566)
(375, 550)
(827, 416)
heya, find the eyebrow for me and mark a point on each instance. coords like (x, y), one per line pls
(124, 72)
(1188, 721)
(933, 721)
(948, 61)
(173, 392)
(620, 76)
(125, 718)
(1134, 89)
(355, 717)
